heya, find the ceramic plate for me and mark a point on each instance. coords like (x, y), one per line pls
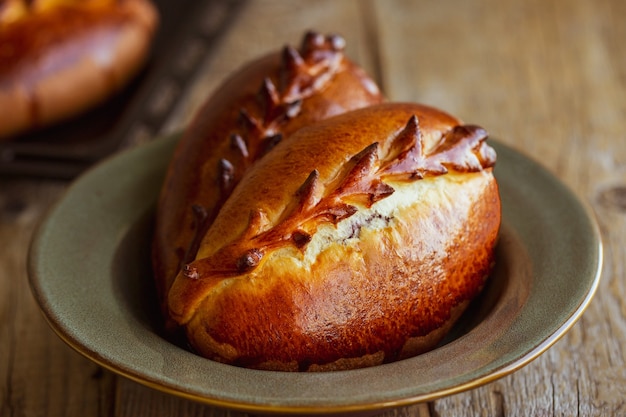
(90, 272)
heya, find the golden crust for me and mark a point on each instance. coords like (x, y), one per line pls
(359, 240)
(61, 57)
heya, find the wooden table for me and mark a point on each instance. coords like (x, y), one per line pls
(547, 77)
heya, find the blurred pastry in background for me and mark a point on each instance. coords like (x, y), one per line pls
(59, 58)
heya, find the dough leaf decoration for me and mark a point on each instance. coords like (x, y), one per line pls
(301, 74)
(462, 149)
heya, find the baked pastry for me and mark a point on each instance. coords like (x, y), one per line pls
(324, 229)
(359, 241)
(61, 57)
(257, 107)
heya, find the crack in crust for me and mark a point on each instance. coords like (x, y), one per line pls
(360, 182)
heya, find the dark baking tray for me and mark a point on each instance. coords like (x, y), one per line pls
(187, 33)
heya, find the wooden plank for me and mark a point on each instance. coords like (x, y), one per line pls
(41, 375)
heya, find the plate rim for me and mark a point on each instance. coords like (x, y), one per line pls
(166, 144)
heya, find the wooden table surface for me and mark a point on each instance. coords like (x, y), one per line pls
(547, 77)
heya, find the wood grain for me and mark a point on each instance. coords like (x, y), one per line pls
(546, 77)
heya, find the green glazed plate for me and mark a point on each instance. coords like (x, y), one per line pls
(89, 270)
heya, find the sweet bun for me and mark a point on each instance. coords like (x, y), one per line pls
(358, 241)
(260, 105)
(59, 58)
